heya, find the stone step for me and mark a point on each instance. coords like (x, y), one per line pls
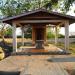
(42, 53)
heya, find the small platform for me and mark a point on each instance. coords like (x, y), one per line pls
(47, 50)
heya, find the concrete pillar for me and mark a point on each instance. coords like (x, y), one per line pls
(14, 38)
(56, 35)
(66, 35)
(22, 36)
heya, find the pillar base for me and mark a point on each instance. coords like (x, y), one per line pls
(46, 44)
(39, 44)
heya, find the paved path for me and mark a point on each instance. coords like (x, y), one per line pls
(37, 65)
(40, 64)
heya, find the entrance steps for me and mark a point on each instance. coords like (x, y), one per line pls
(41, 52)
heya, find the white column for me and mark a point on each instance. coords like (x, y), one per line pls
(66, 35)
(14, 38)
(22, 36)
(56, 35)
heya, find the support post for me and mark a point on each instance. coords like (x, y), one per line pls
(66, 35)
(22, 36)
(56, 35)
(14, 38)
(33, 35)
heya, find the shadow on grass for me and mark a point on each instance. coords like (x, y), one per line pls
(60, 59)
(9, 73)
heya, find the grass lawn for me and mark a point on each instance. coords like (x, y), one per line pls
(71, 47)
(60, 45)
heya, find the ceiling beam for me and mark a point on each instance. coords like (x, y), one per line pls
(60, 24)
(42, 17)
(38, 21)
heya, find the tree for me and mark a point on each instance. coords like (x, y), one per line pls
(50, 32)
(3, 30)
(67, 4)
(14, 7)
(20, 6)
(27, 31)
(8, 32)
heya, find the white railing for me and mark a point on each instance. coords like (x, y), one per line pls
(61, 40)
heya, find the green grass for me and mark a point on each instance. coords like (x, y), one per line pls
(60, 45)
(71, 47)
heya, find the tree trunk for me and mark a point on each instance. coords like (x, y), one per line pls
(3, 38)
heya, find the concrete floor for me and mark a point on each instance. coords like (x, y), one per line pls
(40, 64)
(32, 65)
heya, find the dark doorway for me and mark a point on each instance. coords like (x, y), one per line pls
(39, 38)
(39, 34)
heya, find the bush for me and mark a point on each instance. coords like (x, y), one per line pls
(61, 36)
(19, 36)
(50, 35)
(2, 54)
(73, 36)
(28, 35)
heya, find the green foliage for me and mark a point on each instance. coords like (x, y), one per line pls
(64, 5)
(4, 29)
(8, 32)
(50, 4)
(73, 36)
(27, 35)
(50, 35)
(28, 31)
(68, 3)
(60, 36)
(20, 6)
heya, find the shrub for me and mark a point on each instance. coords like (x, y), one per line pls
(61, 36)
(73, 36)
(50, 35)
(2, 54)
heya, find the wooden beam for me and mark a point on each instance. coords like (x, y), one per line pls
(19, 24)
(33, 35)
(60, 23)
(37, 17)
(38, 21)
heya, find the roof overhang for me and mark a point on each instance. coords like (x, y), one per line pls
(39, 16)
